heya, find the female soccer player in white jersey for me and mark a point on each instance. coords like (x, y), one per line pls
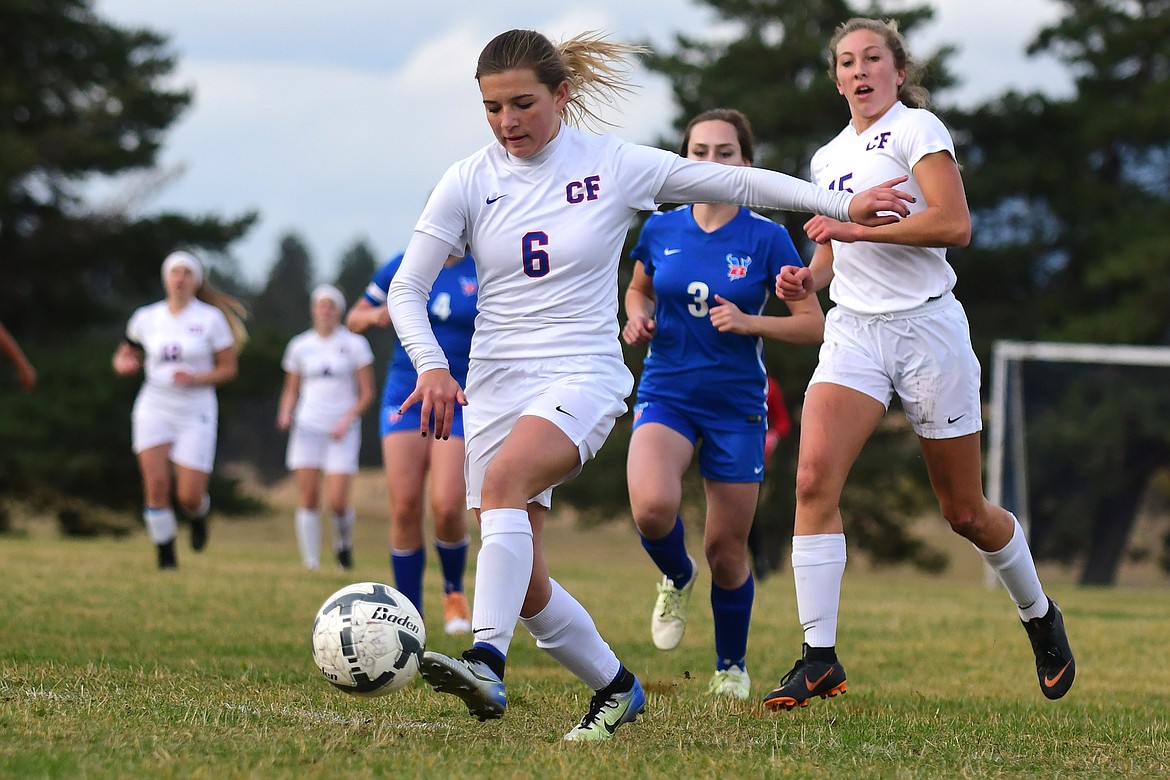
(186, 345)
(702, 275)
(545, 211)
(328, 385)
(897, 328)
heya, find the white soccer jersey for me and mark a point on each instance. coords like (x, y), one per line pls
(186, 341)
(546, 233)
(873, 278)
(328, 369)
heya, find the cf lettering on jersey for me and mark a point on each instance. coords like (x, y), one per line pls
(878, 142)
(578, 191)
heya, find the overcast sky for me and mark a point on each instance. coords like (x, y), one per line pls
(335, 119)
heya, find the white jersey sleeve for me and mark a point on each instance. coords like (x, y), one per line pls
(694, 181)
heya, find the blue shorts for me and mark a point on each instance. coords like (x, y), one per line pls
(730, 452)
(390, 421)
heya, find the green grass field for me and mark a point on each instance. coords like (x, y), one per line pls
(110, 669)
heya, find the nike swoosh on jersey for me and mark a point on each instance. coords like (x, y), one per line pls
(494, 198)
(562, 411)
(671, 251)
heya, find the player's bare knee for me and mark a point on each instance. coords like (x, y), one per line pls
(727, 563)
(811, 486)
(964, 521)
(654, 515)
(502, 488)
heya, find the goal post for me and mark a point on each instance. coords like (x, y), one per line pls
(1007, 462)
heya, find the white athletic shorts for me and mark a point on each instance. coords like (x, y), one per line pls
(313, 450)
(924, 355)
(582, 395)
(191, 432)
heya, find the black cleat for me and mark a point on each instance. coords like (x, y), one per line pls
(1055, 666)
(807, 679)
(198, 533)
(166, 556)
(345, 558)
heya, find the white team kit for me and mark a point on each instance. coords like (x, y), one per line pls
(547, 233)
(166, 413)
(327, 367)
(897, 327)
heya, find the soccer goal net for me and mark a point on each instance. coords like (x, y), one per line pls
(1076, 433)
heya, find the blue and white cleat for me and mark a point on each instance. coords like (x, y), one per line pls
(472, 681)
(607, 711)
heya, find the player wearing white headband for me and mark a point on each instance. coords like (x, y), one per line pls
(328, 385)
(186, 344)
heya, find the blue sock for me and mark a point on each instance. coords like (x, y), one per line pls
(732, 610)
(408, 569)
(452, 560)
(670, 555)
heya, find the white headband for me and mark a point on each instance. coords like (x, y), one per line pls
(330, 292)
(183, 259)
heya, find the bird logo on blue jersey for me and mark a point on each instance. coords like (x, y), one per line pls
(737, 267)
(468, 285)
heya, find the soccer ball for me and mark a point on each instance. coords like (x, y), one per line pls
(368, 639)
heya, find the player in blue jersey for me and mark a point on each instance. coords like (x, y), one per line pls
(701, 278)
(408, 458)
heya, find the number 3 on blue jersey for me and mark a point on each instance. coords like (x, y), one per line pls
(535, 260)
(698, 307)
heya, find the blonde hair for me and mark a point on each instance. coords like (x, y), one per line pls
(910, 92)
(597, 70)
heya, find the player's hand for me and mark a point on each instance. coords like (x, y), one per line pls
(873, 207)
(283, 421)
(794, 283)
(729, 318)
(184, 378)
(825, 229)
(127, 362)
(438, 392)
(639, 329)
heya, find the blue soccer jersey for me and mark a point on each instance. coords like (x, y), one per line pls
(451, 309)
(690, 364)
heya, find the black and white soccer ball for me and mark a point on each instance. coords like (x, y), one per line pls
(368, 639)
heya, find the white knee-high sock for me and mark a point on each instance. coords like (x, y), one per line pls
(308, 524)
(818, 565)
(160, 524)
(502, 570)
(566, 631)
(1017, 571)
(343, 530)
